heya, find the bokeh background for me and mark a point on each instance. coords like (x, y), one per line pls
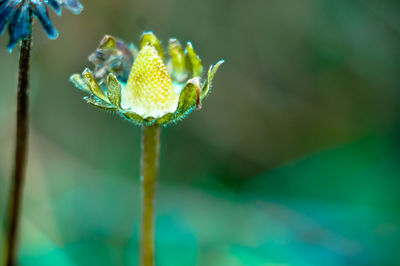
(293, 160)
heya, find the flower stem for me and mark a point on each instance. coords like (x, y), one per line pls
(15, 196)
(149, 167)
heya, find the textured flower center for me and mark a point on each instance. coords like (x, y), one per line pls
(149, 90)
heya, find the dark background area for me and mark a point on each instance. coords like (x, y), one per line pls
(293, 160)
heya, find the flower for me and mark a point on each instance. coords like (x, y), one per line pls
(138, 85)
(17, 15)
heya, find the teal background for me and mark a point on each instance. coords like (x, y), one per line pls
(293, 160)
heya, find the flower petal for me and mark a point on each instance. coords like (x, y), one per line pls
(74, 5)
(40, 11)
(7, 10)
(193, 62)
(94, 87)
(208, 84)
(114, 90)
(20, 26)
(149, 38)
(177, 64)
(55, 5)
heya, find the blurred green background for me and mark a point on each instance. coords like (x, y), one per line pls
(293, 160)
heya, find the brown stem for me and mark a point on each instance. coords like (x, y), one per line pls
(149, 167)
(15, 197)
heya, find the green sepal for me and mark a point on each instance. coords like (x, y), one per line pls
(149, 37)
(139, 120)
(93, 86)
(108, 42)
(208, 84)
(193, 62)
(133, 117)
(99, 103)
(79, 83)
(164, 119)
(149, 120)
(177, 62)
(188, 101)
(114, 90)
(112, 56)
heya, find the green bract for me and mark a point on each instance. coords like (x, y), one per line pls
(141, 85)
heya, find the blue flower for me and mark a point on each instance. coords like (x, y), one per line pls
(16, 14)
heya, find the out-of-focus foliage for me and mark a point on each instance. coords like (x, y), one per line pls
(295, 159)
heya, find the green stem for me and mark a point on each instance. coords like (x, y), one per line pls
(15, 197)
(149, 167)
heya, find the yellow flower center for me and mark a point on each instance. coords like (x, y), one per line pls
(149, 90)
